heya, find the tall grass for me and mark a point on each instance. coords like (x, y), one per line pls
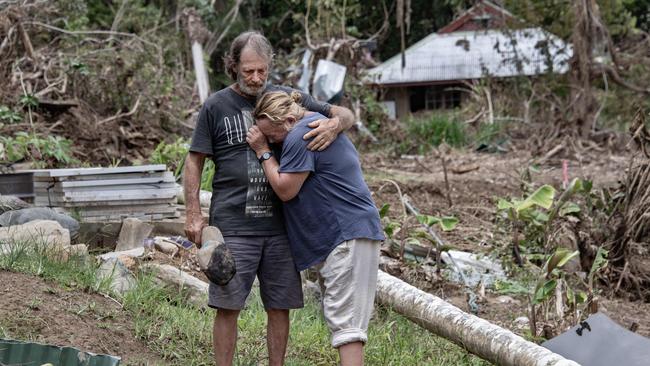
(431, 130)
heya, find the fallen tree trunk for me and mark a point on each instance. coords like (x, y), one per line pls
(166, 275)
(476, 335)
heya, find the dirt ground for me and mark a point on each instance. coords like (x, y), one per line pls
(473, 195)
(31, 308)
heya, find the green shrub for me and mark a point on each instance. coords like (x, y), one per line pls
(435, 129)
(43, 152)
(8, 115)
(173, 155)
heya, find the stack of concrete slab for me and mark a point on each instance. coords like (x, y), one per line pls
(147, 192)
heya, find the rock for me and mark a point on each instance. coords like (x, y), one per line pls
(507, 300)
(136, 252)
(11, 203)
(113, 270)
(36, 232)
(132, 234)
(167, 275)
(129, 262)
(521, 323)
(165, 245)
(214, 257)
(311, 289)
(25, 215)
(77, 250)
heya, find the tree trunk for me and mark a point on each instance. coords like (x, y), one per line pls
(587, 37)
(476, 335)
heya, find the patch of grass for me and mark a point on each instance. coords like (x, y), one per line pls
(41, 259)
(434, 129)
(182, 333)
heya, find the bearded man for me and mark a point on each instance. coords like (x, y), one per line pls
(243, 205)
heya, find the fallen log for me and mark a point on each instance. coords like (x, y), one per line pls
(166, 275)
(476, 335)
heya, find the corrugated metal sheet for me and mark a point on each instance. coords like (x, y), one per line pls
(14, 352)
(473, 55)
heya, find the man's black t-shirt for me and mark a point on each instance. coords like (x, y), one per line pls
(243, 202)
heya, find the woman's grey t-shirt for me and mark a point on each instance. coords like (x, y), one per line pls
(333, 204)
(243, 203)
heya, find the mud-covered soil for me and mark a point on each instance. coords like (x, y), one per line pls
(44, 312)
(473, 195)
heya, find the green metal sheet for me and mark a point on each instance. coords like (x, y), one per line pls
(21, 353)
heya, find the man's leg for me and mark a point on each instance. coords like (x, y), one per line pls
(224, 336)
(351, 354)
(281, 290)
(277, 334)
(228, 299)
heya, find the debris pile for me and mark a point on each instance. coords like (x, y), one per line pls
(146, 192)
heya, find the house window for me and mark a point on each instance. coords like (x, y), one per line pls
(442, 98)
(434, 97)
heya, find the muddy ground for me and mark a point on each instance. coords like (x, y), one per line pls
(473, 195)
(45, 312)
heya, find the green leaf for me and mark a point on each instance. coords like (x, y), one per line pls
(542, 197)
(600, 261)
(559, 259)
(502, 204)
(581, 297)
(569, 208)
(544, 292)
(570, 296)
(506, 287)
(539, 217)
(428, 220)
(448, 223)
(384, 210)
(391, 228)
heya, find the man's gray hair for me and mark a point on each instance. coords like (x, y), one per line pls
(252, 39)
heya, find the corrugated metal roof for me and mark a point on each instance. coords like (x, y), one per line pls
(475, 54)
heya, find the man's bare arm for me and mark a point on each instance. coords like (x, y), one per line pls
(325, 131)
(285, 185)
(194, 221)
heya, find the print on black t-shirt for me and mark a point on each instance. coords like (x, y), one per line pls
(258, 197)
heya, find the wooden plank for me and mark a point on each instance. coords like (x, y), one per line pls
(122, 217)
(76, 178)
(123, 209)
(116, 196)
(59, 191)
(43, 201)
(94, 171)
(167, 177)
(139, 193)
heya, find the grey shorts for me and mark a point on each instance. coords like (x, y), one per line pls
(267, 257)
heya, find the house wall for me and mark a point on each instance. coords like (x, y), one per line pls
(401, 97)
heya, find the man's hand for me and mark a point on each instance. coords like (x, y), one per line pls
(194, 224)
(324, 133)
(257, 141)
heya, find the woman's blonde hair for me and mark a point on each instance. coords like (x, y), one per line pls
(277, 106)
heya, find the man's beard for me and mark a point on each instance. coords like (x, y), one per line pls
(252, 91)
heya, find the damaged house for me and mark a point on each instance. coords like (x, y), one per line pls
(486, 41)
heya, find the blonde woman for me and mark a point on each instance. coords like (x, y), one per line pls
(331, 220)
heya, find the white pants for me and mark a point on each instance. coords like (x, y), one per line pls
(348, 280)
